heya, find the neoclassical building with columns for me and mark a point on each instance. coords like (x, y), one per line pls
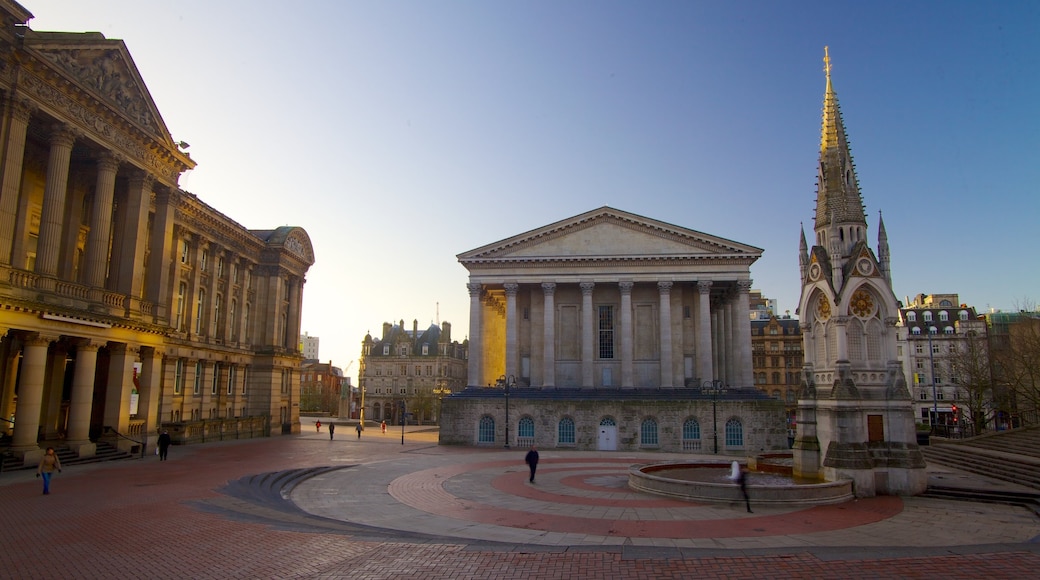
(612, 307)
(127, 305)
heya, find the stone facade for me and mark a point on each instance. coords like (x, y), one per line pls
(129, 304)
(855, 417)
(649, 421)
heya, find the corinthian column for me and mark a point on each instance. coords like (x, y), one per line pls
(512, 351)
(101, 222)
(81, 399)
(667, 373)
(703, 340)
(476, 346)
(742, 333)
(549, 333)
(51, 220)
(14, 151)
(588, 321)
(30, 395)
(627, 380)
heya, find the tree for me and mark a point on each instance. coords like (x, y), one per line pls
(421, 404)
(1017, 363)
(970, 367)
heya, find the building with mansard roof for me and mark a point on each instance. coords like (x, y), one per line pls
(855, 417)
(601, 331)
(129, 305)
(410, 367)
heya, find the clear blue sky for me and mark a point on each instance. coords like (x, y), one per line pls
(401, 133)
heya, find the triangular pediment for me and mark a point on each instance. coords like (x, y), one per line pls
(104, 69)
(607, 233)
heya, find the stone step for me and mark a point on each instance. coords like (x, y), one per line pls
(67, 457)
(1026, 474)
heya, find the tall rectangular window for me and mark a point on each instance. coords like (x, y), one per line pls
(198, 377)
(216, 379)
(182, 294)
(606, 332)
(178, 376)
(231, 380)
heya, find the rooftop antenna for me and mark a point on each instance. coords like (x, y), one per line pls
(438, 313)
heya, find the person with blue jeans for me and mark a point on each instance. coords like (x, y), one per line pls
(46, 469)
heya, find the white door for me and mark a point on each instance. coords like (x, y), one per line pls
(607, 435)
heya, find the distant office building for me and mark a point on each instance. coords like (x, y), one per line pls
(309, 346)
(776, 354)
(416, 368)
(762, 308)
(933, 333)
(321, 386)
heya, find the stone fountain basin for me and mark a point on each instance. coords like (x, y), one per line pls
(774, 489)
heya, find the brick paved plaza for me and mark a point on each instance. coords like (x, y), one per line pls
(375, 508)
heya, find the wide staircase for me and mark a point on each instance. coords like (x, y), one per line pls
(1011, 456)
(105, 452)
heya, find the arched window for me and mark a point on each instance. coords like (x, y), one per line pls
(486, 431)
(776, 394)
(791, 396)
(963, 315)
(776, 378)
(948, 330)
(873, 340)
(854, 333)
(565, 432)
(377, 411)
(911, 317)
(927, 316)
(734, 433)
(525, 432)
(648, 433)
(944, 316)
(915, 330)
(691, 435)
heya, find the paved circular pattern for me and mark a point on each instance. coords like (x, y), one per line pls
(565, 501)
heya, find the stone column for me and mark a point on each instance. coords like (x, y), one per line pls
(627, 347)
(705, 370)
(101, 222)
(476, 345)
(80, 402)
(30, 397)
(588, 321)
(131, 275)
(890, 345)
(10, 190)
(512, 329)
(51, 220)
(667, 372)
(295, 297)
(120, 383)
(151, 385)
(743, 334)
(729, 351)
(716, 342)
(162, 246)
(549, 342)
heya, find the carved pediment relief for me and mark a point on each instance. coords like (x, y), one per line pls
(611, 234)
(109, 75)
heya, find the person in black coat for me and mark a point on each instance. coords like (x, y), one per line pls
(164, 445)
(532, 461)
(332, 429)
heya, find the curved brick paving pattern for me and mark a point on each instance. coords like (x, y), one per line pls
(176, 519)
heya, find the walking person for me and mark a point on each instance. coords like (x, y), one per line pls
(359, 430)
(532, 460)
(742, 482)
(164, 445)
(332, 429)
(317, 426)
(383, 425)
(48, 464)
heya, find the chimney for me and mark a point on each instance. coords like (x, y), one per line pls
(446, 332)
(386, 330)
(415, 329)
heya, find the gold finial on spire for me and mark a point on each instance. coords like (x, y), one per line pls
(827, 63)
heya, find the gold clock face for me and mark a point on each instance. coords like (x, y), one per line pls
(823, 308)
(862, 303)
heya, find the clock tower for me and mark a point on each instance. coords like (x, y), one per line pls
(855, 418)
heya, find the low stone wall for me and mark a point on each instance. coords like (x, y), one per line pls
(763, 423)
(191, 432)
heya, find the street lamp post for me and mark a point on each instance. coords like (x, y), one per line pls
(714, 388)
(507, 383)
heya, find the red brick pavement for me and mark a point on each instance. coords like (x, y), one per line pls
(137, 520)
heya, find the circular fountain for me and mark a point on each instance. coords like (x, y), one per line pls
(769, 482)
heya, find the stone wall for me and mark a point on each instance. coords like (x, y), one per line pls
(763, 423)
